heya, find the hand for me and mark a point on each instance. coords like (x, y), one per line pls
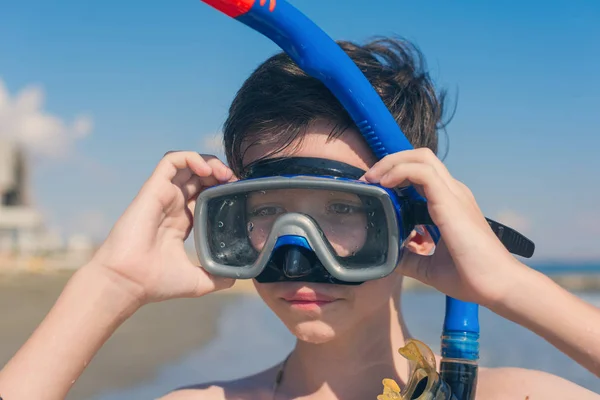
(144, 252)
(470, 263)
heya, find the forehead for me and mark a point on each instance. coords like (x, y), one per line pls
(349, 148)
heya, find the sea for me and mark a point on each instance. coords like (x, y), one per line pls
(251, 338)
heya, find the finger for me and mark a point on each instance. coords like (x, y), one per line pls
(191, 191)
(233, 179)
(421, 155)
(220, 171)
(174, 161)
(190, 280)
(423, 268)
(183, 176)
(191, 205)
(433, 186)
(417, 267)
(180, 166)
(193, 186)
(426, 156)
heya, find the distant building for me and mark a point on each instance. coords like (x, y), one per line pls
(13, 175)
(22, 228)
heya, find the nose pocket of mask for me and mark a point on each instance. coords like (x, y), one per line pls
(297, 261)
(294, 260)
(294, 256)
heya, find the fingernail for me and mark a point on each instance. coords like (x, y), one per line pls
(369, 177)
(226, 173)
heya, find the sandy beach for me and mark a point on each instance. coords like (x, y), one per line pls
(158, 334)
(164, 334)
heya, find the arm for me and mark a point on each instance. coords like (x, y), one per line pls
(471, 264)
(567, 322)
(143, 260)
(88, 311)
(518, 383)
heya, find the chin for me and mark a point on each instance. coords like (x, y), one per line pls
(315, 332)
(317, 329)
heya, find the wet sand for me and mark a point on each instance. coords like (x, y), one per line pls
(156, 335)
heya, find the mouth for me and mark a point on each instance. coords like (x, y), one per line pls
(308, 299)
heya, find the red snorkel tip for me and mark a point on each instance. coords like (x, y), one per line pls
(232, 8)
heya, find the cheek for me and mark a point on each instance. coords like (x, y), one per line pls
(346, 237)
(258, 231)
(265, 293)
(372, 295)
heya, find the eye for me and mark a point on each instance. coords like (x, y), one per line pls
(266, 211)
(341, 208)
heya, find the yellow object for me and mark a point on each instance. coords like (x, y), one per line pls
(424, 382)
(391, 390)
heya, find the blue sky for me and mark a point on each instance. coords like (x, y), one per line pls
(120, 83)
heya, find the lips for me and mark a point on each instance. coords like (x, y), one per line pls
(308, 298)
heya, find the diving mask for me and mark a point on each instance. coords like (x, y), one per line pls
(304, 219)
(301, 224)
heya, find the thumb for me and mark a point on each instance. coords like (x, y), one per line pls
(207, 283)
(418, 267)
(434, 270)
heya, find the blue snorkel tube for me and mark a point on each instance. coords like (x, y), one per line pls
(321, 57)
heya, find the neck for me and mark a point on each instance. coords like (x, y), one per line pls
(351, 366)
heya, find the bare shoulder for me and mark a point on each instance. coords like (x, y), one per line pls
(208, 392)
(526, 384)
(254, 387)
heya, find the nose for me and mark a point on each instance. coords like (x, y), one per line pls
(297, 262)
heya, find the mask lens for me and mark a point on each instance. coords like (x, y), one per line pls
(353, 226)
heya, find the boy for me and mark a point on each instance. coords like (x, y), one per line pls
(347, 340)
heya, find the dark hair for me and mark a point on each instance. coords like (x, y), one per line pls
(278, 102)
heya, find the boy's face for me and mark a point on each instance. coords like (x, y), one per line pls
(317, 312)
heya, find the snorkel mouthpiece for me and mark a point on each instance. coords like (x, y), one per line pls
(424, 383)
